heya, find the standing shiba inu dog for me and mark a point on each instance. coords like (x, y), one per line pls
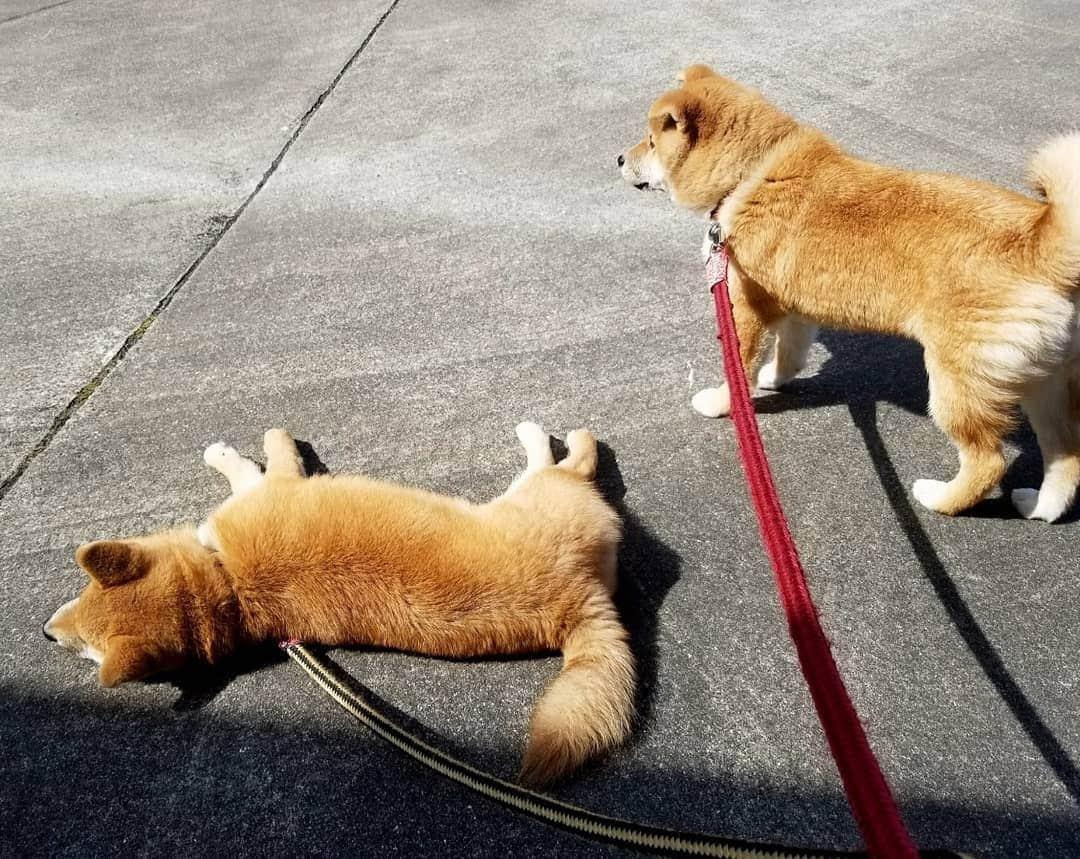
(985, 279)
(344, 560)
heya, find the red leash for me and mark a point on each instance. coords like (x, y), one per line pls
(867, 791)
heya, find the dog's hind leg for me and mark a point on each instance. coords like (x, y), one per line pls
(976, 421)
(582, 454)
(282, 457)
(1057, 428)
(242, 474)
(537, 444)
(538, 455)
(794, 337)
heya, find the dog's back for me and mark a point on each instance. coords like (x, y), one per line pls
(375, 563)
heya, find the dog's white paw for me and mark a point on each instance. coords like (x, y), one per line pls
(767, 378)
(712, 402)
(1033, 504)
(930, 493)
(529, 431)
(217, 452)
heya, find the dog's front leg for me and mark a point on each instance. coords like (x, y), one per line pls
(754, 311)
(241, 472)
(243, 476)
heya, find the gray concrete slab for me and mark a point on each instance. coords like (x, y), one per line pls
(132, 132)
(447, 250)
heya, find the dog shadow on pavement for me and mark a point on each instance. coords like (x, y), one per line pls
(648, 568)
(863, 371)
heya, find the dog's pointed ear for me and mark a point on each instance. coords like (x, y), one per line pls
(694, 72)
(128, 658)
(112, 562)
(677, 110)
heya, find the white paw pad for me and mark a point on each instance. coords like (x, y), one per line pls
(767, 378)
(929, 493)
(1031, 504)
(529, 432)
(217, 452)
(712, 402)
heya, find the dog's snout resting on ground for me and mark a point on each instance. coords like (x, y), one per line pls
(345, 560)
(984, 278)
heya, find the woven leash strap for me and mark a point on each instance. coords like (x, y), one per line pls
(868, 793)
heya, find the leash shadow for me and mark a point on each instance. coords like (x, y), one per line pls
(865, 370)
(864, 415)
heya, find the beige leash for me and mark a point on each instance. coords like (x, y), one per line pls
(553, 812)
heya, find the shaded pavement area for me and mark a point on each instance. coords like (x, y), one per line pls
(397, 231)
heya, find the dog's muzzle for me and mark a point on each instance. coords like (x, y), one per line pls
(636, 173)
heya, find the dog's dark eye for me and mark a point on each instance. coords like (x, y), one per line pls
(651, 144)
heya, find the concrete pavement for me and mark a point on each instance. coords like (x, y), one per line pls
(446, 249)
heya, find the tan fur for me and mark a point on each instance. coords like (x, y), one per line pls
(345, 560)
(984, 278)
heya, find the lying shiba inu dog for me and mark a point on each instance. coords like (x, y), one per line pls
(985, 279)
(345, 560)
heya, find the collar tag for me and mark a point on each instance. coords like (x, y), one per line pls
(716, 236)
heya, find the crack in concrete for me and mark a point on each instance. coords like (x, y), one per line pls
(87, 390)
(22, 15)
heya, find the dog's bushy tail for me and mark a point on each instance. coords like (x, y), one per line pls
(1055, 172)
(588, 708)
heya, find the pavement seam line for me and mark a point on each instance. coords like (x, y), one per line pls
(87, 390)
(30, 12)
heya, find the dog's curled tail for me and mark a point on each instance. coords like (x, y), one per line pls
(1055, 173)
(588, 708)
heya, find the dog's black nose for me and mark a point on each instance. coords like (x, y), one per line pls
(621, 160)
(45, 632)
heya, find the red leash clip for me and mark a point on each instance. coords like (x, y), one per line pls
(716, 266)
